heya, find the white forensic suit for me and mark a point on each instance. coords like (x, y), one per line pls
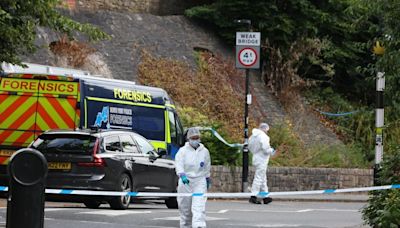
(196, 165)
(261, 149)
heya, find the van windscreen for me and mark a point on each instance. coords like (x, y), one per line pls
(65, 143)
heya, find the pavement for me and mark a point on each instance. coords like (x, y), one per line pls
(334, 197)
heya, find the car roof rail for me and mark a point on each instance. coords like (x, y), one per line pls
(94, 128)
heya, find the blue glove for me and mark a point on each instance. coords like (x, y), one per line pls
(208, 179)
(184, 178)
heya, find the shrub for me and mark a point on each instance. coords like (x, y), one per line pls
(292, 152)
(383, 209)
(289, 147)
(357, 129)
(74, 51)
(208, 90)
(219, 152)
(211, 97)
(339, 156)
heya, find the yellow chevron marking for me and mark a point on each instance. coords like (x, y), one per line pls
(18, 113)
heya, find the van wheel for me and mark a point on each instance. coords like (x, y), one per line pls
(92, 204)
(122, 202)
(171, 203)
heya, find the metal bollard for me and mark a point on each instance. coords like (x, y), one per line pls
(25, 205)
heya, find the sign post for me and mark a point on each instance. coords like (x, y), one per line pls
(247, 57)
(248, 50)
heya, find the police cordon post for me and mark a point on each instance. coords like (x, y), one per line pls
(214, 195)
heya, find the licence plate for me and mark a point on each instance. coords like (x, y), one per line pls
(59, 165)
(6, 153)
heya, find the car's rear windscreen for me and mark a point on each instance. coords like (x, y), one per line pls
(65, 143)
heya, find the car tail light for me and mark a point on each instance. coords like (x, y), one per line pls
(97, 160)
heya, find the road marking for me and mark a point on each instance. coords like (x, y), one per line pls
(329, 210)
(337, 210)
(305, 210)
(114, 213)
(60, 209)
(296, 211)
(78, 221)
(217, 212)
(162, 226)
(266, 225)
(177, 218)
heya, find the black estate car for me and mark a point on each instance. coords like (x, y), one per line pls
(111, 160)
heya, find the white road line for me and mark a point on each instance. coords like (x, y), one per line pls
(263, 211)
(329, 210)
(177, 218)
(338, 210)
(222, 211)
(78, 221)
(217, 212)
(160, 226)
(114, 213)
(95, 222)
(60, 209)
(305, 210)
(266, 225)
(294, 211)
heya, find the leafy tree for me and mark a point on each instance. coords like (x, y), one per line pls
(338, 58)
(18, 22)
(325, 42)
(387, 15)
(281, 22)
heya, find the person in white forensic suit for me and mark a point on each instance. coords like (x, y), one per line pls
(193, 165)
(259, 146)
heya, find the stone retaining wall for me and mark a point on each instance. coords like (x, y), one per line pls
(229, 179)
(157, 7)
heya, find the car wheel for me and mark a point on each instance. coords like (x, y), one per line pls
(92, 204)
(122, 202)
(171, 203)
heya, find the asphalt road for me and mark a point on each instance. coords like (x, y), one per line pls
(220, 214)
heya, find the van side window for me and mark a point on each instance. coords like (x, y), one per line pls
(128, 145)
(112, 144)
(149, 122)
(179, 131)
(172, 127)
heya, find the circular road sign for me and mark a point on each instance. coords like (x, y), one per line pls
(247, 57)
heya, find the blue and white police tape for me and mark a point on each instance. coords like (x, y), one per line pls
(336, 114)
(213, 195)
(218, 136)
